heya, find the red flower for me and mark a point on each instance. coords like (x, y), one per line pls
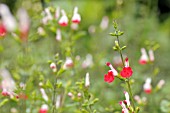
(2, 30)
(63, 20)
(76, 16)
(126, 71)
(109, 77)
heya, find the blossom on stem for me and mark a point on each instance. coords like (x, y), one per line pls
(70, 94)
(53, 67)
(144, 57)
(87, 80)
(2, 30)
(160, 84)
(104, 23)
(63, 21)
(58, 101)
(24, 24)
(44, 95)
(127, 98)
(127, 70)
(147, 86)
(88, 62)
(76, 16)
(112, 69)
(8, 84)
(44, 108)
(124, 109)
(151, 55)
(68, 63)
(57, 12)
(58, 35)
(109, 77)
(7, 18)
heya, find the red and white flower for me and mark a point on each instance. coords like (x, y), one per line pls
(53, 67)
(124, 109)
(127, 98)
(76, 16)
(147, 86)
(144, 57)
(64, 19)
(2, 30)
(44, 108)
(109, 77)
(24, 24)
(68, 63)
(151, 55)
(127, 70)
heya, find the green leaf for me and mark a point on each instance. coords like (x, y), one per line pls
(124, 47)
(60, 71)
(48, 84)
(4, 102)
(115, 48)
(79, 35)
(113, 34)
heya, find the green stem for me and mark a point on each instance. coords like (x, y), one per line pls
(130, 93)
(127, 81)
(54, 96)
(120, 51)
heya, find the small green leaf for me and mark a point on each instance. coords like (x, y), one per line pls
(120, 33)
(4, 102)
(124, 47)
(48, 84)
(113, 34)
(115, 48)
(60, 71)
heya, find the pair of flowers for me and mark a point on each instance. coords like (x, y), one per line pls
(125, 73)
(76, 18)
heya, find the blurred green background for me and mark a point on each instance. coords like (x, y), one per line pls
(145, 23)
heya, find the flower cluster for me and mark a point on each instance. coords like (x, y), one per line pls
(126, 72)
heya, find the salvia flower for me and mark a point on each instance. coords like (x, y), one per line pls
(58, 101)
(88, 62)
(24, 24)
(104, 23)
(87, 80)
(160, 84)
(7, 18)
(127, 70)
(147, 86)
(44, 95)
(109, 77)
(68, 63)
(79, 94)
(124, 109)
(64, 19)
(76, 16)
(44, 108)
(144, 57)
(53, 67)
(2, 30)
(151, 55)
(115, 73)
(8, 84)
(58, 35)
(70, 94)
(57, 12)
(127, 98)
